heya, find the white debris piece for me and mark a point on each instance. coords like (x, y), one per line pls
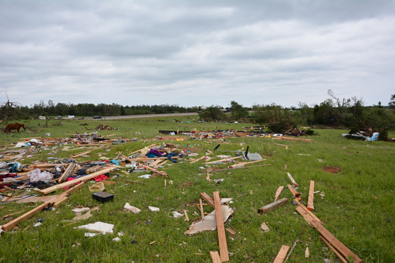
(177, 215)
(99, 227)
(153, 209)
(132, 208)
(117, 239)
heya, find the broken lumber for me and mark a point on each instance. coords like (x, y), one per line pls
(245, 163)
(281, 254)
(310, 203)
(303, 210)
(196, 160)
(340, 256)
(80, 154)
(223, 248)
(73, 182)
(231, 231)
(186, 215)
(215, 257)
(272, 206)
(286, 146)
(225, 160)
(67, 172)
(292, 179)
(10, 225)
(208, 199)
(278, 192)
(201, 208)
(293, 191)
(335, 242)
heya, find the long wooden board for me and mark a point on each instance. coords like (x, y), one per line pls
(73, 182)
(215, 257)
(281, 254)
(278, 192)
(293, 191)
(310, 202)
(272, 206)
(223, 247)
(334, 250)
(208, 199)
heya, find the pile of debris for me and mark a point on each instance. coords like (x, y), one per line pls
(106, 127)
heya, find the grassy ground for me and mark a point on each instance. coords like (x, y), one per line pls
(358, 206)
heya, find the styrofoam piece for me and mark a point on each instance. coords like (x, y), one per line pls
(132, 208)
(153, 209)
(99, 227)
(177, 215)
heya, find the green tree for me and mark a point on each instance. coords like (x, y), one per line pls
(238, 112)
(212, 113)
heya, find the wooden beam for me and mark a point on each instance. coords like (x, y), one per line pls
(278, 192)
(73, 182)
(231, 231)
(208, 199)
(201, 208)
(272, 206)
(80, 154)
(342, 259)
(310, 203)
(215, 257)
(69, 170)
(292, 179)
(196, 160)
(223, 248)
(293, 191)
(281, 254)
(186, 215)
(10, 225)
(225, 160)
(335, 242)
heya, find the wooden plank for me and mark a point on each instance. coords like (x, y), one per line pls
(73, 182)
(201, 208)
(305, 215)
(80, 154)
(196, 160)
(224, 160)
(272, 206)
(208, 199)
(281, 254)
(308, 212)
(186, 215)
(58, 202)
(231, 231)
(310, 202)
(67, 172)
(293, 191)
(342, 259)
(245, 163)
(149, 146)
(335, 242)
(223, 248)
(10, 225)
(278, 192)
(292, 179)
(215, 257)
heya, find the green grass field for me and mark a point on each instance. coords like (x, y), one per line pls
(358, 206)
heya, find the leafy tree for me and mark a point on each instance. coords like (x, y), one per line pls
(212, 113)
(238, 111)
(391, 104)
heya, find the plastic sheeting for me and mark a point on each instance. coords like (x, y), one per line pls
(36, 175)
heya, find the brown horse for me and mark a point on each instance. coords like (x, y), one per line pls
(14, 126)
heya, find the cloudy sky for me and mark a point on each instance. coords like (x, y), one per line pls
(195, 53)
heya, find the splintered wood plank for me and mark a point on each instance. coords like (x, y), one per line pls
(293, 191)
(334, 250)
(281, 254)
(223, 247)
(201, 208)
(310, 203)
(335, 242)
(215, 257)
(278, 192)
(272, 206)
(231, 231)
(208, 199)
(292, 179)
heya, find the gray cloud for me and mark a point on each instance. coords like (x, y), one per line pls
(196, 52)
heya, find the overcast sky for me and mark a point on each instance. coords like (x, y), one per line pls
(196, 53)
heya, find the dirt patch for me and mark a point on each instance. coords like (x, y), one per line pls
(333, 170)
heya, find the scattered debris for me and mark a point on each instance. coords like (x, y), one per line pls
(333, 170)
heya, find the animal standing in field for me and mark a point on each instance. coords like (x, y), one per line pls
(14, 126)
